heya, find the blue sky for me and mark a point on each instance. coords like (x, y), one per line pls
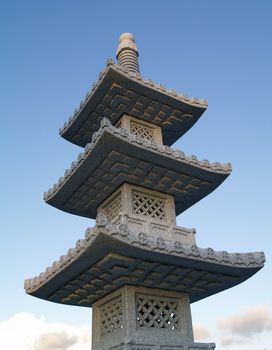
(51, 53)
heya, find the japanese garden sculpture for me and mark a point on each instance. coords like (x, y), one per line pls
(136, 268)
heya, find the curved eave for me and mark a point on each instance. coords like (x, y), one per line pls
(116, 156)
(109, 258)
(119, 92)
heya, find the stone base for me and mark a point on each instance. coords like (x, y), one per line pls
(138, 318)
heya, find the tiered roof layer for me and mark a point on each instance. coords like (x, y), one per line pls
(119, 91)
(112, 256)
(115, 156)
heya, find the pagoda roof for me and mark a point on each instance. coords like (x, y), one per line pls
(118, 92)
(116, 156)
(113, 256)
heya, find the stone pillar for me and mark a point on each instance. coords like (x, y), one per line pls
(137, 318)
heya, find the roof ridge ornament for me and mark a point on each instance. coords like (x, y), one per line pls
(127, 53)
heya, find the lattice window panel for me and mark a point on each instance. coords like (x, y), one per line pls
(111, 316)
(142, 131)
(112, 209)
(147, 205)
(156, 312)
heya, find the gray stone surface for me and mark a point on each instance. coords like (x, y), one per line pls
(116, 156)
(145, 211)
(112, 256)
(147, 131)
(143, 318)
(120, 92)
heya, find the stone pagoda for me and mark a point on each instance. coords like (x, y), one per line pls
(136, 268)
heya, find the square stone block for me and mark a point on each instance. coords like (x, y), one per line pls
(144, 210)
(139, 318)
(143, 129)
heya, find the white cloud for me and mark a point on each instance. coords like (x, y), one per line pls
(230, 340)
(245, 326)
(58, 339)
(200, 332)
(251, 321)
(24, 331)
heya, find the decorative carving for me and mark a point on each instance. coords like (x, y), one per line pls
(143, 238)
(123, 229)
(144, 210)
(147, 205)
(156, 312)
(101, 220)
(111, 316)
(141, 130)
(113, 207)
(195, 251)
(178, 246)
(161, 243)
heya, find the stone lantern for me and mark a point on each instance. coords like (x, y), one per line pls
(136, 268)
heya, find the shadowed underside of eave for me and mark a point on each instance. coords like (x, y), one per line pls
(118, 92)
(107, 260)
(115, 157)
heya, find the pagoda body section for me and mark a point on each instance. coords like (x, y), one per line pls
(136, 268)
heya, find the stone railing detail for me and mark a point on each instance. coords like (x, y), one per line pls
(164, 230)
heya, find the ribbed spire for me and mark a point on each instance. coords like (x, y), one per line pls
(127, 53)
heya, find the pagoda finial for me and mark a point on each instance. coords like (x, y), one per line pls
(127, 53)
